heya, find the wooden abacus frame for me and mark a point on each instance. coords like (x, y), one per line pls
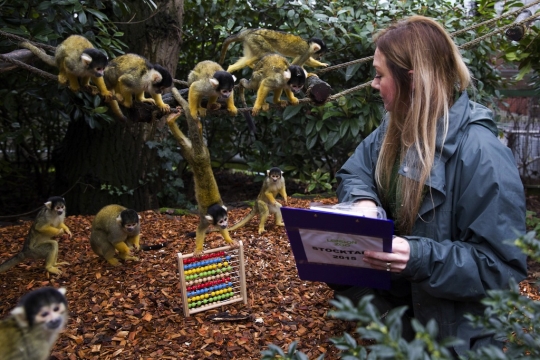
(241, 280)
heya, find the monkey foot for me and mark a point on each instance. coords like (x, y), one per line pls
(280, 224)
(53, 270)
(62, 263)
(233, 244)
(129, 257)
(114, 262)
(197, 252)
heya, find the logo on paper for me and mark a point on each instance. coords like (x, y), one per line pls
(341, 242)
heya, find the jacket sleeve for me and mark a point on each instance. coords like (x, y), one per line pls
(488, 213)
(356, 177)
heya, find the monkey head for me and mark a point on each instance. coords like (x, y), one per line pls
(95, 61)
(217, 215)
(162, 81)
(57, 204)
(274, 173)
(45, 307)
(318, 47)
(297, 79)
(129, 220)
(223, 83)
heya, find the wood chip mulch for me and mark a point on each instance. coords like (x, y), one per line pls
(134, 311)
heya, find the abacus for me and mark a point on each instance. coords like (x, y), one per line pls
(214, 279)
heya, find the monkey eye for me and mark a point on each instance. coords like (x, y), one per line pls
(44, 314)
(56, 308)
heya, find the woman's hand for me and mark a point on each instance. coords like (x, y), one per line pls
(395, 261)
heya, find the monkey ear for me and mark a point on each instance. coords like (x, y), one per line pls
(20, 316)
(224, 207)
(267, 172)
(287, 74)
(119, 219)
(87, 59)
(156, 77)
(62, 290)
(48, 204)
(234, 78)
(139, 217)
(214, 82)
(315, 47)
(209, 218)
(305, 72)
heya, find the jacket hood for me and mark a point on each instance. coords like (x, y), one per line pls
(463, 113)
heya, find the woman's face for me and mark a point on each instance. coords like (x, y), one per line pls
(384, 82)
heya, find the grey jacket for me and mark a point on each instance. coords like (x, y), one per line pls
(458, 245)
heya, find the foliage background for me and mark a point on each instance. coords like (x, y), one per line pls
(309, 143)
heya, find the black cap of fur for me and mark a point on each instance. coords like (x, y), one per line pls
(35, 300)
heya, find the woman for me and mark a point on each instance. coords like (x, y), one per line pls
(452, 189)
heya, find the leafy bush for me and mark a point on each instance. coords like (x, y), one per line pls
(508, 314)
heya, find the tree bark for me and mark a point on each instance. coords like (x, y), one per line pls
(112, 164)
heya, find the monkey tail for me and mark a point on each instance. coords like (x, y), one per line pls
(247, 114)
(225, 46)
(245, 220)
(15, 260)
(48, 59)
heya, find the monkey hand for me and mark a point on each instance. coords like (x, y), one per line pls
(148, 100)
(232, 110)
(282, 103)
(232, 243)
(198, 252)
(201, 111)
(171, 118)
(93, 89)
(164, 108)
(294, 101)
(214, 106)
(108, 96)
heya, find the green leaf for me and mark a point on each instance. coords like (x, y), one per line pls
(291, 111)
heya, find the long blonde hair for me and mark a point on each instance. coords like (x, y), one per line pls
(421, 98)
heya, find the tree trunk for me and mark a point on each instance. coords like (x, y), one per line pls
(98, 167)
(106, 166)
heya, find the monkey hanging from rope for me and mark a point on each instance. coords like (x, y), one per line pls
(194, 151)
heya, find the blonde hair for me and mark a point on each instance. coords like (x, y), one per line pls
(421, 98)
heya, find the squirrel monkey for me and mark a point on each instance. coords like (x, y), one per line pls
(259, 42)
(266, 203)
(76, 58)
(195, 152)
(31, 329)
(273, 73)
(209, 79)
(132, 75)
(39, 243)
(115, 228)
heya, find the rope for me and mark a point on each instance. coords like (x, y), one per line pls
(321, 71)
(21, 39)
(30, 68)
(454, 34)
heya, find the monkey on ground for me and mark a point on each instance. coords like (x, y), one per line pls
(266, 203)
(132, 75)
(77, 59)
(39, 243)
(194, 151)
(273, 73)
(115, 228)
(259, 42)
(33, 326)
(208, 79)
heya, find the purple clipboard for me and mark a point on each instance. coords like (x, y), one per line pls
(328, 247)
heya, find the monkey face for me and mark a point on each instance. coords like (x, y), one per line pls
(218, 215)
(224, 84)
(96, 61)
(56, 204)
(130, 221)
(274, 173)
(298, 78)
(51, 317)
